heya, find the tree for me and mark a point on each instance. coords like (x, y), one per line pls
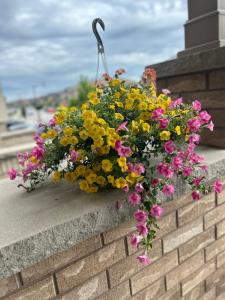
(83, 88)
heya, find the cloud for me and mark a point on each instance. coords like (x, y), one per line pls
(51, 41)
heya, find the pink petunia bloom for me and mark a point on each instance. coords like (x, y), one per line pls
(163, 123)
(139, 169)
(142, 229)
(139, 188)
(210, 126)
(124, 151)
(39, 141)
(122, 127)
(12, 173)
(52, 122)
(176, 103)
(130, 167)
(38, 152)
(126, 188)
(204, 117)
(73, 155)
(197, 181)
(196, 158)
(165, 170)
(177, 163)
(140, 216)
(169, 147)
(194, 124)
(144, 259)
(168, 189)
(217, 186)
(157, 113)
(187, 171)
(195, 195)
(196, 105)
(166, 91)
(134, 198)
(194, 138)
(118, 144)
(156, 211)
(135, 240)
(155, 182)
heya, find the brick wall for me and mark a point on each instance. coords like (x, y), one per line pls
(208, 87)
(188, 261)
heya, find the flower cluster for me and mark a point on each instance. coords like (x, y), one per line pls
(124, 137)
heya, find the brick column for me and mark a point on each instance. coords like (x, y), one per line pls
(205, 28)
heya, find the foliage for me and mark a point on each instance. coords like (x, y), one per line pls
(124, 137)
(83, 88)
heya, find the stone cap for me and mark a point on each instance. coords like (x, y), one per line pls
(55, 217)
(208, 60)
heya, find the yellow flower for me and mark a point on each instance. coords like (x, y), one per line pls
(70, 176)
(112, 107)
(84, 106)
(134, 126)
(93, 98)
(119, 116)
(99, 142)
(120, 183)
(142, 106)
(91, 178)
(106, 165)
(73, 109)
(81, 170)
(68, 131)
(73, 140)
(101, 121)
(56, 176)
(83, 134)
(93, 189)
(164, 135)
(122, 162)
(64, 141)
(119, 104)
(146, 127)
(51, 133)
(84, 185)
(178, 130)
(60, 118)
(111, 179)
(44, 135)
(101, 180)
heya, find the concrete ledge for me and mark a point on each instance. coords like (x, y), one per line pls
(53, 218)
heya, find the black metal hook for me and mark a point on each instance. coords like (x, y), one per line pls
(94, 28)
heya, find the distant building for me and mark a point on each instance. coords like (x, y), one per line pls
(3, 111)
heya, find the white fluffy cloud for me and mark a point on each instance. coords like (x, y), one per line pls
(51, 41)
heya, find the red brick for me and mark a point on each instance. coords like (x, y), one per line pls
(197, 277)
(195, 209)
(154, 271)
(214, 216)
(89, 290)
(89, 266)
(184, 270)
(197, 243)
(213, 249)
(182, 235)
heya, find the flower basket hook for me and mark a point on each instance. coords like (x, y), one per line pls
(101, 51)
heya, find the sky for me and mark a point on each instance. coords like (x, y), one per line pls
(49, 44)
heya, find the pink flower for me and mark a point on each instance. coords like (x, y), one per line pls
(195, 195)
(187, 171)
(157, 113)
(135, 240)
(126, 188)
(139, 188)
(217, 186)
(130, 167)
(168, 189)
(163, 123)
(155, 182)
(177, 163)
(142, 229)
(204, 116)
(134, 199)
(166, 91)
(139, 169)
(144, 259)
(196, 158)
(193, 124)
(140, 216)
(39, 141)
(169, 147)
(196, 105)
(194, 138)
(197, 181)
(176, 103)
(52, 122)
(12, 173)
(37, 152)
(210, 126)
(165, 170)
(122, 127)
(123, 151)
(73, 155)
(156, 211)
